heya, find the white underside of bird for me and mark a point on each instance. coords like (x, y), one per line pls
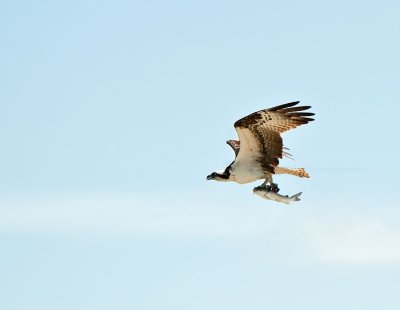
(243, 172)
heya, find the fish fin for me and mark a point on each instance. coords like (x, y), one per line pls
(266, 197)
(296, 197)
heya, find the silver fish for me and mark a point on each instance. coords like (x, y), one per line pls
(266, 193)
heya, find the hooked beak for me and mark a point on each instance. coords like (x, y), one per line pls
(209, 177)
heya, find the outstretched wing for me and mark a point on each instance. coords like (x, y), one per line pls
(259, 133)
(235, 145)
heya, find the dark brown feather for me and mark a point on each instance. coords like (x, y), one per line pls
(283, 106)
(294, 109)
(302, 114)
(267, 125)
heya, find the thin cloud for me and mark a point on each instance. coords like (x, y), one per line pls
(344, 238)
(129, 216)
(362, 240)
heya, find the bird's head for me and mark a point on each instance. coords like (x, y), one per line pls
(222, 176)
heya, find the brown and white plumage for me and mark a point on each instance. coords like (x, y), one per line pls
(260, 144)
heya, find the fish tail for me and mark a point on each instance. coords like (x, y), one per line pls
(296, 197)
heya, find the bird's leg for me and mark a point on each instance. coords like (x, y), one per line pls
(274, 187)
(268, 179)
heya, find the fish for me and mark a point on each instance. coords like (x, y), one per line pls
(267, 193)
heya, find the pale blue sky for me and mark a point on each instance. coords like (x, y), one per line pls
(113, 113)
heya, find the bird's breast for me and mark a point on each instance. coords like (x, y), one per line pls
(246, 172)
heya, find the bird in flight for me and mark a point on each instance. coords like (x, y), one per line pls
(260, 145)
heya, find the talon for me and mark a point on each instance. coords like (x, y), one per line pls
(274, 187)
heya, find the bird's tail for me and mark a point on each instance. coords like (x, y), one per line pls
(299, 172)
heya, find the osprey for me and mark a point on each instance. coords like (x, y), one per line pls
(260, 145)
